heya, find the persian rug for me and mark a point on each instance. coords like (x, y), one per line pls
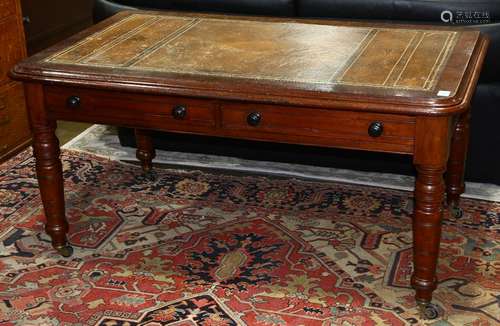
(102, 140)
(184, 247)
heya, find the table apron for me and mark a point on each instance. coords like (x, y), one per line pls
(211, 117)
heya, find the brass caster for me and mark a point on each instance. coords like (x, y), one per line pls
(428, 311)
(65, 251)
(456, 211)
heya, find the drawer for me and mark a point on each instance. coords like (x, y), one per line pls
(14, 127)
(11, 46)
(313, 126)
(156, 112)
(7, 8)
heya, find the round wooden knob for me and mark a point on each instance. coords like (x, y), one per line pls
(376, 129)
(254, 119)
(73, 102)
(179, 112)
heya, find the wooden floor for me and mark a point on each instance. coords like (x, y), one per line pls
(69, 130)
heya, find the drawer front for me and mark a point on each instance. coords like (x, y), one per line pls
(7, 8)
(14, 127)
(306, 126)
(157, 112)
(321, 127)
(11, 46)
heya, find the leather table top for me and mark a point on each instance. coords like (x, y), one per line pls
(147, 48)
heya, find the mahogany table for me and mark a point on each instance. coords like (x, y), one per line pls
(398, 89)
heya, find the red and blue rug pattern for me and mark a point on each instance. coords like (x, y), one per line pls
(179, 247)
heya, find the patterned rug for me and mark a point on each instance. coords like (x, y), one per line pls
(102, 140)
(184, 247)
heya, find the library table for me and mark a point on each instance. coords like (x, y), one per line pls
(389, 88)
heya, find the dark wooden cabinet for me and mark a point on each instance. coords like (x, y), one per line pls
(14, 129)
(49, 21)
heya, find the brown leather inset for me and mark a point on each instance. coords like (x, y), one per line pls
(395, 58)
(377, 62)
(426, 60)
(284, 51)
(137, 46)
(103, 40)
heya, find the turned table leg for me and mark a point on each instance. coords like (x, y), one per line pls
(432, 146)
(48, 168)
(429, 196)
(145, 150)
(456, 163)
